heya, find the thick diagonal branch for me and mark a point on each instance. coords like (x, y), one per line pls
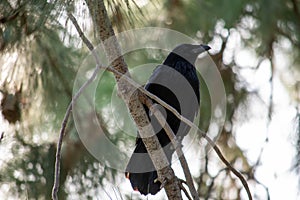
(131, 97)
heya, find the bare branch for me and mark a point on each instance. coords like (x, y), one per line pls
(68, 112)
(131, 97)
(232, 169)
(80, 32)
(86, 41)
(184, 190)
(62, 132)
(58, 153)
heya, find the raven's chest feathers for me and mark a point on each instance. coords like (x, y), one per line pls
(176, 84)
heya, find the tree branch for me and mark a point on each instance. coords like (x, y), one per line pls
(68, 112)
(185, 191)
(62, 132)
(58, 153)
(80, 32)
(131, 97)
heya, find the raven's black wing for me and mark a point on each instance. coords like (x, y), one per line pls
(178, 86)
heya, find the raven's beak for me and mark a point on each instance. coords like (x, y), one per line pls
(205, 47)
(201, 48)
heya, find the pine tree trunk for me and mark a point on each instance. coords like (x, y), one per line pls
(131, 97)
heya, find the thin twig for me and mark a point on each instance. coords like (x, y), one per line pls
(185, 191)
(86, 41)
(232, 169)
(265, 187)
(58, 153)
(68, 112)
(80, 32)
(62, 132)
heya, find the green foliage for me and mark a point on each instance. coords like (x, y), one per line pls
(31, 174)
(46, 66)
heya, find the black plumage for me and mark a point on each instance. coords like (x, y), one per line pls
(176, 83)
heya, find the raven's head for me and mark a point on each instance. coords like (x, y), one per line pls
(190, 52)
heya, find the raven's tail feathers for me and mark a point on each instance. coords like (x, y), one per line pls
(141, 171)
(145, 183)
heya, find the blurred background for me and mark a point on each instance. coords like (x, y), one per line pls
(255, 45)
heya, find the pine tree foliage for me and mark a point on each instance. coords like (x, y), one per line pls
(41, 52)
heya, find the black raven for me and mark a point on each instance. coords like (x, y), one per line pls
(176, 83)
